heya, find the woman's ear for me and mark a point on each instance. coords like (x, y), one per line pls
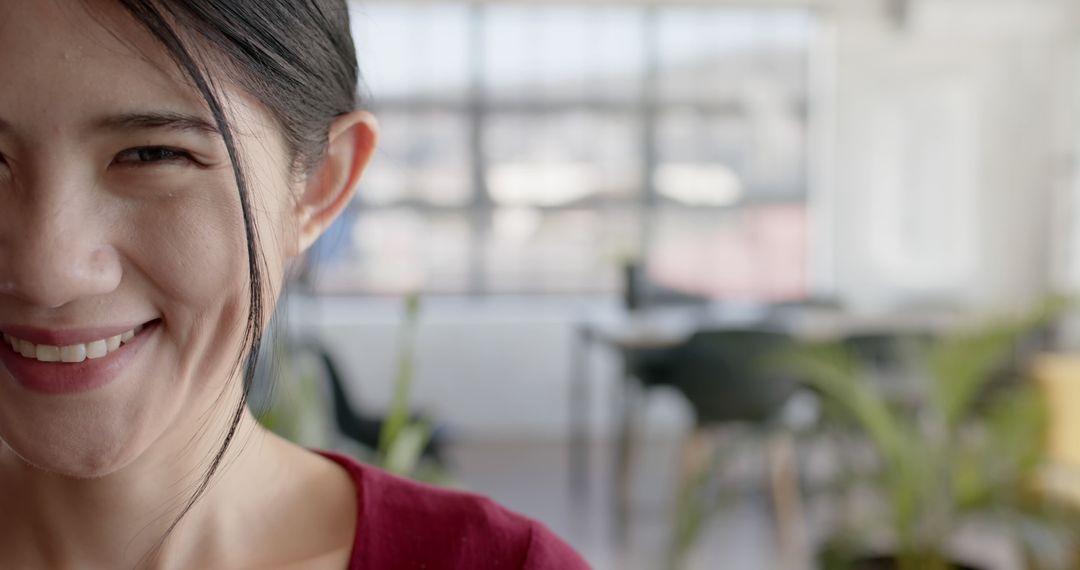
(329, 188)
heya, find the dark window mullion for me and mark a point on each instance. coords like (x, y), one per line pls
(480, 218)
(649, 93)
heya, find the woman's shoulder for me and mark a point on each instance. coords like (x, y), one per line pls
(408, 524)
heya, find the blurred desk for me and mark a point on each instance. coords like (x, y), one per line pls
(666, 328)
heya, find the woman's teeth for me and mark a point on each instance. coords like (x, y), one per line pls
(74, 353)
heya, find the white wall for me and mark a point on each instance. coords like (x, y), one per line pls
(950, 139)
(495, 368)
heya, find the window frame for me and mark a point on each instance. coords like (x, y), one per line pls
(477, 107)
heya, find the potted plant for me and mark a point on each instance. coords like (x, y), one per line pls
(403, 436)
(300, 410)
(964, 447)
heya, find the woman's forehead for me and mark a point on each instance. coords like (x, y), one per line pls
(65, 65)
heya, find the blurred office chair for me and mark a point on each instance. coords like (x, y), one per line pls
(889, 353)
(351, 423)
(726, 378)
(896, 358)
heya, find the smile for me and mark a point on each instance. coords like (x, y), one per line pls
(73, 353)
(56, 362)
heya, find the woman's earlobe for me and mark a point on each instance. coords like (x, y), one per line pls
(328, 190)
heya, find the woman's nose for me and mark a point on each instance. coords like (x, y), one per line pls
(52, 254)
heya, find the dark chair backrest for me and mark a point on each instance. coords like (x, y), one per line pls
(352, 423)
(729, 375)
(349, 421)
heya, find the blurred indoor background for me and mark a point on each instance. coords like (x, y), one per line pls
(748, 284)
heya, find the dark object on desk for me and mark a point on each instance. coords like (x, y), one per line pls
(726, 378)
(640, 292)
(632, 282)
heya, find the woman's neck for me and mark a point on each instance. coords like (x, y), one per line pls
(119, 520)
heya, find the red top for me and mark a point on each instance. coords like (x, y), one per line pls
(404, 525)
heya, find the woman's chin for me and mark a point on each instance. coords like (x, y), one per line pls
(89, 441)
(74, 457)
(89, 434)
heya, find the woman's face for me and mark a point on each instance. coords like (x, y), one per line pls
(119, 212)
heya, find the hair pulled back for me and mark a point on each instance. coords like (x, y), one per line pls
(296, 58)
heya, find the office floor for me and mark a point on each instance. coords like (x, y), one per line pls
(531, 477)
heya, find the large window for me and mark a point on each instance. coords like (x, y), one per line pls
(533, 148)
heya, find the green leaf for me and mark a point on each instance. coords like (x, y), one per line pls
(963, 364)
(833, 371)
(405, 451)
(398, 417)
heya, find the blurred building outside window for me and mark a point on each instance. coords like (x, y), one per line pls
(531, 149)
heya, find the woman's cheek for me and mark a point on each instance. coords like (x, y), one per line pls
(186, 226)
(189, 250)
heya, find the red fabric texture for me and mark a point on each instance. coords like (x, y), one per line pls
(406, 525)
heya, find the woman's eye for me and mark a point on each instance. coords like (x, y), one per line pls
(152, 155)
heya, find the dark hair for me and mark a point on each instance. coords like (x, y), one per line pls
(296, 57)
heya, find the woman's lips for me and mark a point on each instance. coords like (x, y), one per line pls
(58, 351)
(66, 337)
(70, 377)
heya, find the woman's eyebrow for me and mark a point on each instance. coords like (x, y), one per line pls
(156, 120)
